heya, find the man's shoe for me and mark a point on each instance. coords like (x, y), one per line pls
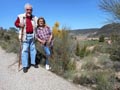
(35, 66)
(25, 69)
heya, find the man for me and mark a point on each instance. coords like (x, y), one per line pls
(27, 24)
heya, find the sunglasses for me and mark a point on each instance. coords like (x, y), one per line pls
(29, 9)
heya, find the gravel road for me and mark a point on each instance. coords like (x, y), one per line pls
(34, 79)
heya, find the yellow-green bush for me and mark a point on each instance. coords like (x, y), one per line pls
(61, 61)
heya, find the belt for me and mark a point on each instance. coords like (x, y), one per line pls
(29, 32)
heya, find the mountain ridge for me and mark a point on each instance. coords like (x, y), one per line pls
(106, 30)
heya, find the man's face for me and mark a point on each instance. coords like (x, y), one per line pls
(29, 10)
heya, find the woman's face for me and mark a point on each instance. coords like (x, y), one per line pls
(41, 23)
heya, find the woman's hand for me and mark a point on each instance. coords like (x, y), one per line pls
(43, 42)
(48, 42)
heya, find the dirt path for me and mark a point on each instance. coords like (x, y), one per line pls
(34, 79)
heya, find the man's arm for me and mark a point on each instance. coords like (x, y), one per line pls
(17, 22)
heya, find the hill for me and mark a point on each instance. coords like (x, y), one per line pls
(109, 29)
(106, 30)
(84, 31)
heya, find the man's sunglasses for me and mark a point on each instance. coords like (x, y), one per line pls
(29, 9)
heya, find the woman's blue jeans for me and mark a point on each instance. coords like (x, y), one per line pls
(47, 53)
(28, 46)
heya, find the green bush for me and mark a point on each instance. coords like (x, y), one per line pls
(115, 49)
(77, 49)
(103, 47)
(69, 75)
(104, 80)
(89, 65)
(82, 51)
(86, 78)
(82, 48)
(9, 40)
(71, 65)
(115, 54)
(101, 38)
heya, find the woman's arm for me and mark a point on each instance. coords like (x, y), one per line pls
(50, 38)
(41, 41)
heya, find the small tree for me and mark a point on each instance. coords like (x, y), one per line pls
(77, 51)
(113, 8)
(101, 38)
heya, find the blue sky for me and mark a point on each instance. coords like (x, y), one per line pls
(75, 14)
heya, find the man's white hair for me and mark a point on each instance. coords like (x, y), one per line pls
(27, 4)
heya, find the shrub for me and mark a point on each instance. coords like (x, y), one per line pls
(115, 50)
(86, 78)
(104, 80)
(115, 54)
(103, 47)
(84, 52)
(61, 61)
(89, 65)
(71, 65)
(101, 38)
(77, 51)
(116, 66)
(9, 41)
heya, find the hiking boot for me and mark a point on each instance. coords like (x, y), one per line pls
(35, 66)
(25, 69)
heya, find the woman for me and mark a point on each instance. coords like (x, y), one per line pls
(44, 36)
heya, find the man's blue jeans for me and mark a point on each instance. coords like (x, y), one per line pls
(28, 46)
(47, 52)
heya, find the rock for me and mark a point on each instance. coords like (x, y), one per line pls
(117, 75)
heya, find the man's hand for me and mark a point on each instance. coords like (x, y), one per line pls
(21, 25)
